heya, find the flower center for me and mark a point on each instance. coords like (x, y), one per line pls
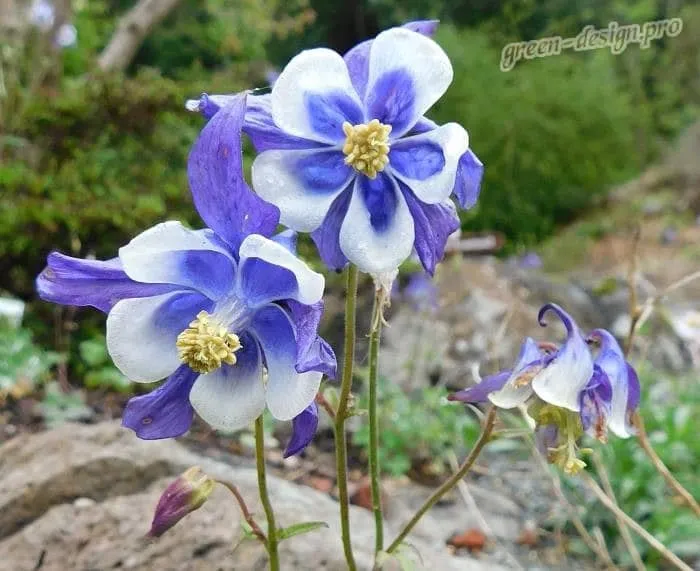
(566, 452)
(205, 345)
(367, 147)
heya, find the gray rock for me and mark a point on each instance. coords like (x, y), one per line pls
(82, 497)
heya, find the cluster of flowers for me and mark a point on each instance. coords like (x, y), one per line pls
(568, 390)
(228, 314)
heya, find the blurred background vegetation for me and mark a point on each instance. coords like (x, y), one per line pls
(89, 157)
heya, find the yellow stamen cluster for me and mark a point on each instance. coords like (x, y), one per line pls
(367, 147)
(205, 345)
(566, 453)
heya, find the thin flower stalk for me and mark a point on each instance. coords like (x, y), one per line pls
(272, 541)
(638, 529)
(448, 484)
(342, 413)
(374, 468)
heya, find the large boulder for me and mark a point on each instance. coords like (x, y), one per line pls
(81, 497)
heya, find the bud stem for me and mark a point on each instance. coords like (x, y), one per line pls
(272, 541)
(247, 516)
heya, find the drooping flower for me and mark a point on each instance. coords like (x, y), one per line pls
(567, 391)
(185, 494)
(213, 310)
(347, 154)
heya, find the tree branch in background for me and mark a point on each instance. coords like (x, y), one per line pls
(132, 30)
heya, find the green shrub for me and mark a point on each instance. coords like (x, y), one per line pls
(553, 133)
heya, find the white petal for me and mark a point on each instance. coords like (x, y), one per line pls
(562, 381)
(319, 72)
(288, 392)
(277, 181)
(454, 141)
(420, 57)
(154, 257)
(376, 252)
(233, 396)
(141, 333)
(310, 283)
(510, 396)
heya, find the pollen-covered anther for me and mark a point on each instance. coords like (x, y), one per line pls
(205, 345)
(366, 147)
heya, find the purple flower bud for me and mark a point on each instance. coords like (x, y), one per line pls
(186, 494)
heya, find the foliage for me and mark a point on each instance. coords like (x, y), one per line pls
(99, 372)
(551, 138)
(670, 410)
(23, 365)
(58, 406)
(416, 428)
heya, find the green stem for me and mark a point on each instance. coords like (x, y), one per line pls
(264, 497)
(341, 414)
(451, 483)
(374, 337)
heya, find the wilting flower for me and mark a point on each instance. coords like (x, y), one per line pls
(568, 392)
(214, 310)
(183, 496)
(347, 154)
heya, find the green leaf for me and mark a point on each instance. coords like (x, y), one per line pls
(299, 528)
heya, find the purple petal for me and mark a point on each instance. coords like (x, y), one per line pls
(96, 283)
(326, 237)
(313, 353)
(433, 225)
(546, 437)
(304, 428)
(623, 379)
(423, 126)
(392, 101)
(635, 389)
(425, 27)
(208, 105)
(418, 159)
(263, 282)
(219, 191)
(288, 392)
(470, 170)
(263, 131)
(165, 412)
(357, 59)
(480, 392)
(595, 404)
(322, 171)
(379, 199)
(327, 113)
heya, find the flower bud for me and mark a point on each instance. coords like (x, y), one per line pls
(186, 494)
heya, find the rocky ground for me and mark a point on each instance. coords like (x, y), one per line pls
(81, 497)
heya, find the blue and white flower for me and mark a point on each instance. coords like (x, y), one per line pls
(227, 314)
(568, 390)
(347, 154)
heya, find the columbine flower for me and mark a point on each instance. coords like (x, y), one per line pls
(183, 496)
(214, 310)
(567, 391)
(347, 154)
